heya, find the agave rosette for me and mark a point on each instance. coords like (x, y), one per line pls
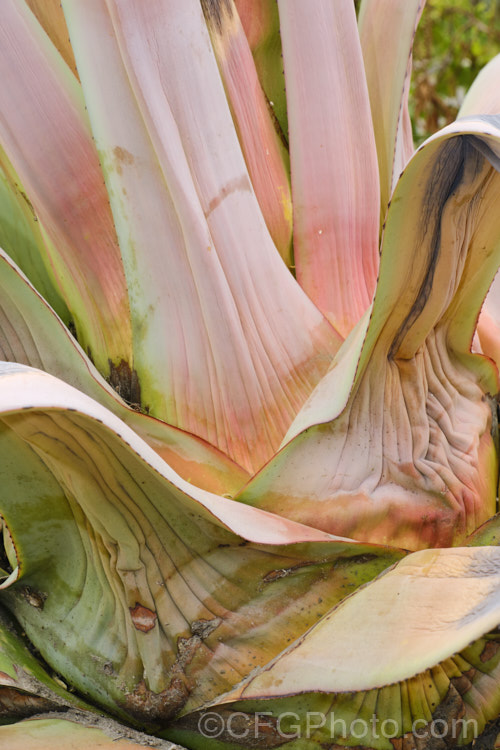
(232, 487)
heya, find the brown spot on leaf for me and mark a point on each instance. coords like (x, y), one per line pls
(122, 156)
(238, 184)
(203, 628)
(464, 682)
(143, 618)
(276, 575)
(403, 743)
(146, 705)
(444, 719)
(125, 382)
(489, 651)
(34, 598)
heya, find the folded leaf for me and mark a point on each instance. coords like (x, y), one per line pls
(483, 98)
(164, 599)
(442, 600)
(410, 458)
(335, 184)
(413, 686)
(450, 703)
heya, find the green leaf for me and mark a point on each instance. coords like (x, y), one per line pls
(451, 703)
(21, 238)
(167, 593)
(260, 20)
(412, 683)
(25, 686)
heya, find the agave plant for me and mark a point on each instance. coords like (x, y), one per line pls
(249, 466)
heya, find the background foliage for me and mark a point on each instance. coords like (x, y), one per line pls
(455, 39)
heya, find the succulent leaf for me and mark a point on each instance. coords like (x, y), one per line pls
(76, 732)
(226, 344)
(22, 239)
(203, 482)
(335, 184)
(410, 457)
(265, 153)
(260, 21)
(387, 29)
(169, 590)
(51, 17)
(450, 703)
(67, 192)
(31, 334)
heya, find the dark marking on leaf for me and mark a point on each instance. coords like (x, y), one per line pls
(487, 740)
(34, 598)
(214, 12)
(238, 184)
(276, 575)
(108, 668)
(122, 157)
(446, 716)
(356, 559)
(464, 682)
(148, 706)
(446, 177)
(489, 651)
(143, 618)
(72, 329)
(203, 628)
(125, 382)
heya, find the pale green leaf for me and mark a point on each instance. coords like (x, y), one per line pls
(442, 600)
(166, 592)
